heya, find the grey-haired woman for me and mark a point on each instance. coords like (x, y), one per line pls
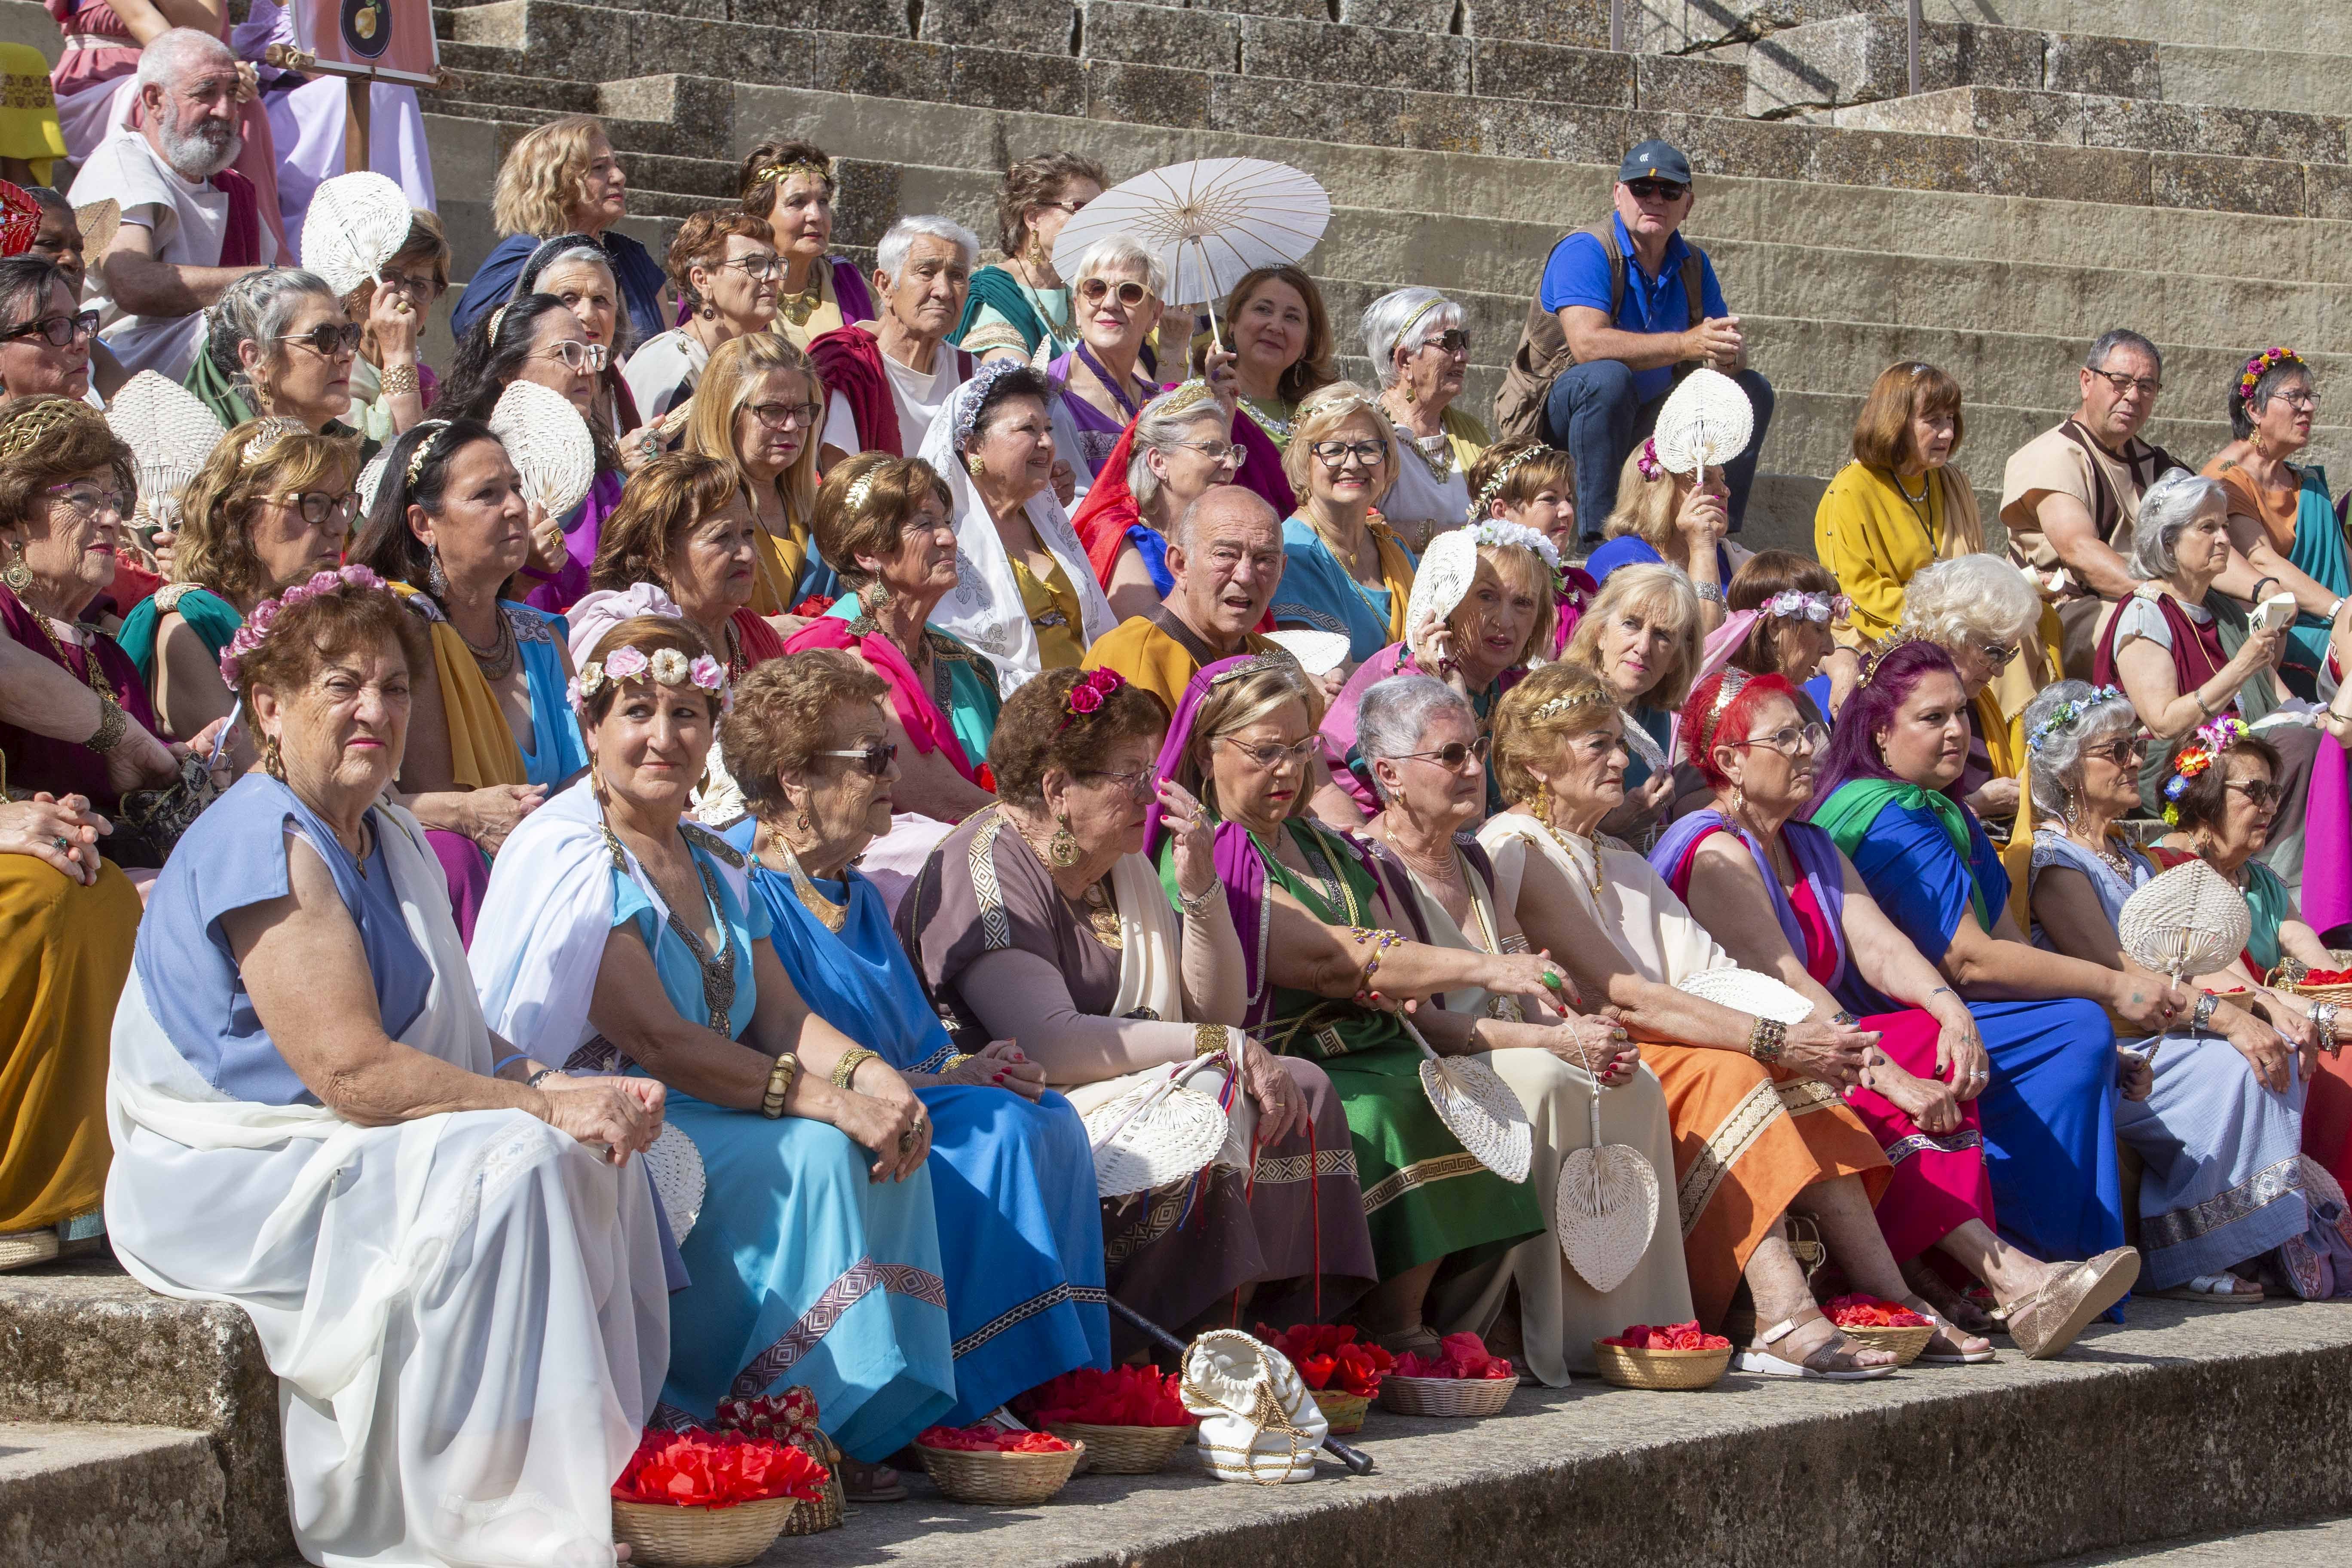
(277, 344)
(1419, 344)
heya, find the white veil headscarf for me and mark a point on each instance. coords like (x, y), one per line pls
(984, 608)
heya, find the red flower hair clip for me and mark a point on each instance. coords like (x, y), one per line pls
(1085, 698)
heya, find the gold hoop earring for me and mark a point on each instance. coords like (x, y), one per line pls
(1062, 851)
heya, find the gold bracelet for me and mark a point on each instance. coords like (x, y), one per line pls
(955, 1061)
(112, 724)
(780, 1084)
(1211, 1039)
(851, 1060)
(397, 379)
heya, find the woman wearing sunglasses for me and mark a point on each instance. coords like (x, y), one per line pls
(2227, 1094)
(279, 345)
(45, 334)
(725, 267)
(539, 339)
(1419, 344)
(1117, 298)
(1020, 1246)
(272, 507)
(1346, 571)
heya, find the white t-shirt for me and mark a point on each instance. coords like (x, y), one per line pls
(918, 397)
(663, 372)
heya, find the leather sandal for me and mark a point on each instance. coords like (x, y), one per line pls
(2214, 1290)
(870, 1483)
(1832, 1360)
(2047, 1321)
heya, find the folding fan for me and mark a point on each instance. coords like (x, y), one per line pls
(356, 224)
(548, 443)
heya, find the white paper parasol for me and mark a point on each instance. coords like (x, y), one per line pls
(1209, 222)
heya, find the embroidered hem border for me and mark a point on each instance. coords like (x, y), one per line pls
(1420, 1173)
(1732, 1137)
(1902, 1149)
(2258, 1191)
(995, 930)
(859, 1280)
(1044, 1301)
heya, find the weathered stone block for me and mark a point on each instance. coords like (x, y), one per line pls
(695, 47)
(1892, 158)
(1721, 145)
(878, 68)
(2226, 185)
(1147, 95)
(2109, 174)
(707, 104)
(110, 1497)
(2115, 67)
(1295, 10)
(1371, 56)
(864, 201)
(2213, 128)
(1551, 73)
(1159, 35)
(1410, 15)
(1823, 65)
(1689, 84)
(1043, 27)
(887, 18)
(1584, 23)
(2327, 191)
(2006, 113)
(1002, 79)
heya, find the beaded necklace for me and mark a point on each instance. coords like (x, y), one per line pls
(718, 972)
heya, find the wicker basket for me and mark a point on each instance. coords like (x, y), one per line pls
(1446, 1396)
(1905, 1343)
(998, 1477)
(1121, 1450)
(1344, 1411)
(1629, 1368)
(663, 1535)
(2335, 993)
(827, 1511)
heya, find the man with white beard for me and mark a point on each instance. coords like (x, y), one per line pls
(191, 225)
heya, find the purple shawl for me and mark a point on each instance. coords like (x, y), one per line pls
(1816, 856)
(558, 594)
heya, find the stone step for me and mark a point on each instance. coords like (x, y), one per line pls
(87, 1344)
(110, 1497)
(1855, 58)
(2303, 28)
(2293, 78)
(540, 93)
(2093, 120)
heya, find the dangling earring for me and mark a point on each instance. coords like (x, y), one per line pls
(271, 762)
(800, 822)
(1410, 394)
(977, 467)
(1738, 804)
(16, 575)
(1062, 851)
(436, 583)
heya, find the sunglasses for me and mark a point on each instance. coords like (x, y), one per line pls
(2131, 749)
(1453, 340)
(1998, 654)
(575, 355)
(2258, 792)
(1092, 291)
(329, 339)
(1657, 190)
(874, 758)
(320, 507)
(61, 330)
(1451, 755)
(1335, 454)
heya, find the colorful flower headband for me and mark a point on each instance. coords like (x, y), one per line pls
(667, 666)
(1495, 481)
(2065, 713)
(1088, 695)
(2261, 364)
(1818, 608)
(1647, 463)
(255, 630)
(2212, 739)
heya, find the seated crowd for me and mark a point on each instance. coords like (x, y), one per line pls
(944, 717)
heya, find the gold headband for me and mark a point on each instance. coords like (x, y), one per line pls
(43, 418)
(859, 489)
(1184, 396)
(780, 173)
(1724, 695)
(268, 435)
(1893, 640)
(1276, 655)
(424, 453)
(1412, 321)
(1590, 697)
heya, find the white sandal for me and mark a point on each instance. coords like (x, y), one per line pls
(1761, 1362)
(2213, 1289)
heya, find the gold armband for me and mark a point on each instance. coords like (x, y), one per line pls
(846, 1067)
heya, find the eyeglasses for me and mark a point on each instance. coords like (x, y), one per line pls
(1791, 741)
(2307, 398)
(758, 269)
(1272, 757)
(61, 330)
(2147, 385)
(88, 501)
(577, 355)
(1998, 654)
(1453, 340)
(1657, 190)
(2131, 749)
(1335, 454)
(1219, 451)
(321, 507)
(874, 758)
(329, 339)
(784, 415)
(1092, 291)
(1137, 784)
(2258, 792)
(414, 287)
(1451, 755)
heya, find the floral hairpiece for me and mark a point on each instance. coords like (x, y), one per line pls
(268, 435)
(1646, 460)
(424, 453)
(2261, 364)
(1725, 693)
(1495, 531)
(2065, 713)
(255, 630)
(668, 667)
(2212, 739)
(1087, 696)
(1877, 657)
(1566, 701)
(859, 489)
(1818, 608)
(974, 393)
(1500, 477)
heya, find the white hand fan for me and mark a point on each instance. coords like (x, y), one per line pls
(369, 481)
(2187, 921)
(1317, 653)
(548, 443)
(169, 433)
(675, 1166)
(1705, 421)
(355, 225)
(1605, 1208)
(1478, 1108)
(1156, 1134)
(1745, 991)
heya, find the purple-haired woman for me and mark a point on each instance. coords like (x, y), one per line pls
(2049, 1114)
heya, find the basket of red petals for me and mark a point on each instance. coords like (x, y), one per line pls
(1667, 1356)
(1882, 1325)
(1342, 1375)
(1461, 1380)
(2318, 984)
(1130, 1419)
(988, 1464)
(709, 1499)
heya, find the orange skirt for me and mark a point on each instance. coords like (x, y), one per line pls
(1748, 1139)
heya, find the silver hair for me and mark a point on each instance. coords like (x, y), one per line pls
(177, 52)
(257, 309)
(2176, 500)
(1395, 714)
(594, 255)
(1167, 421)
(1429, 313)
(2121, 338)
(2055, 768)
(891, 254)
(1121, 253)
(1981, 596)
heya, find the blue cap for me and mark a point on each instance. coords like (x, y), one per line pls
(1656, 161)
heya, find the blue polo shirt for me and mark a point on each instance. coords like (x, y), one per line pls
(1577, 273)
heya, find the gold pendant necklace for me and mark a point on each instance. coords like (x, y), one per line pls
(1102, 917)
(1563, 839)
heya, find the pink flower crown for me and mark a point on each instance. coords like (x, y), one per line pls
(668, 667)
(1087, 698)
(255, 630)
(2261, 365)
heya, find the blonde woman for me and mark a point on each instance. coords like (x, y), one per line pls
(755, 408)
(562, 178)
(1345, 571)
(1676, 520)
(1641, 637)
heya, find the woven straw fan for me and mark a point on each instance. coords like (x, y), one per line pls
(1704, 423)
(2187, 921)
(370, 481)
(1605, 1208)
(548, 443)
(675, 1166)
(1745, 991)
(169, 433)
(355, 225)
(1156, 1133)
(1478, 1108)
